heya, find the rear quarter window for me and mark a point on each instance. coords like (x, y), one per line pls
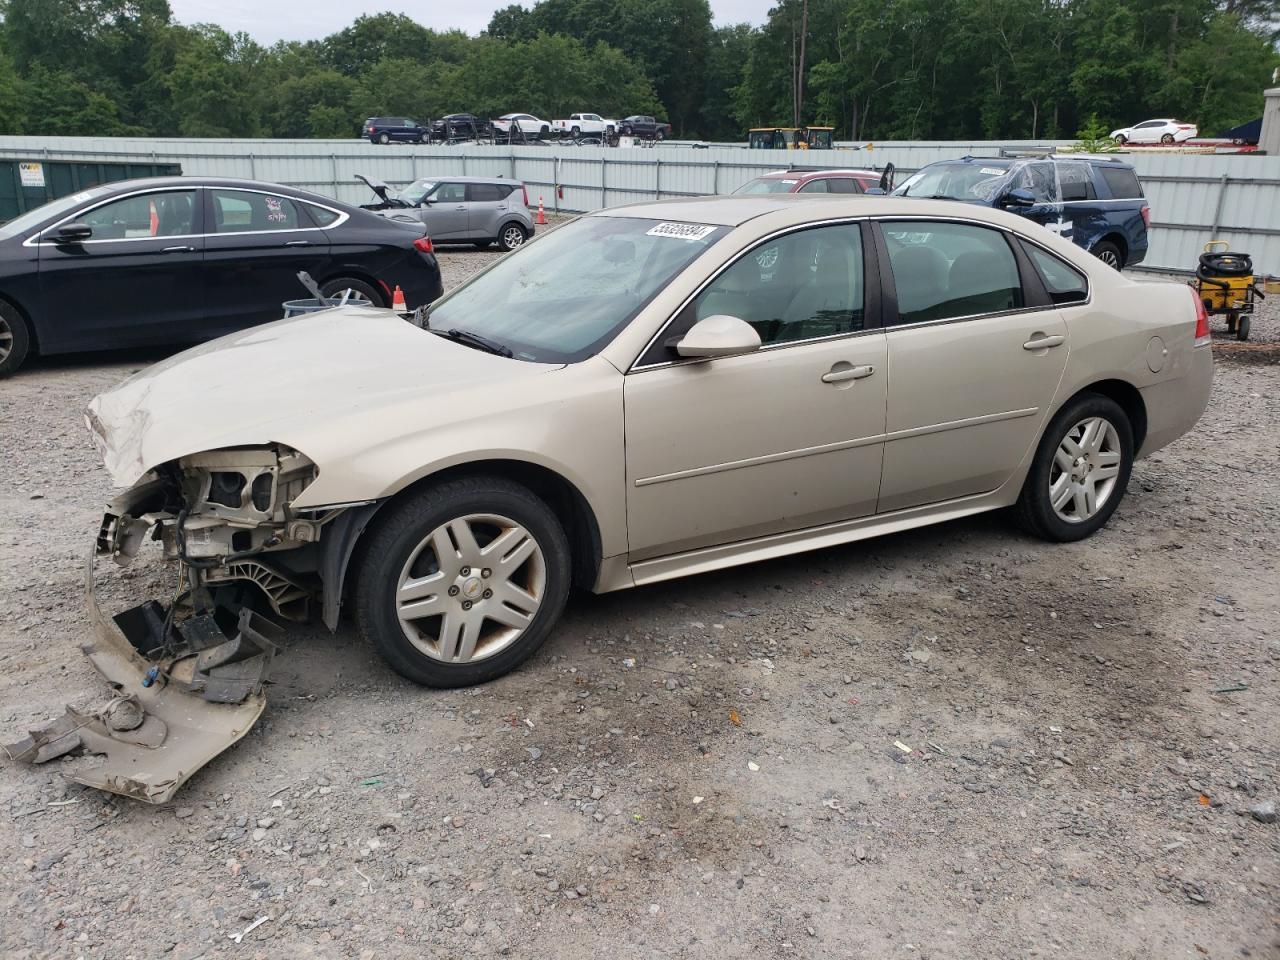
(1122, 182)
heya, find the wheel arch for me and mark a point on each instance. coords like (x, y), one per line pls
(1128, 397)
(565, 500)
(354, 273)
(1118, 240)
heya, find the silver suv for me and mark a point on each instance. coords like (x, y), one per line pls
(477, 210)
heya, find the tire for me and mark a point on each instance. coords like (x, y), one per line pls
(1035, 511)
(1109, 253)
(512, 235)
(1242, 327)
(659, 135)
(334, 288)
(1121, 139)
(384, 139)
(1167, 138)
(576, 132)
(15, 339)
(625, 131)
(401, 549)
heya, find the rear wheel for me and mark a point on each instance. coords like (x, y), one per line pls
(1242, 327)
(15, 339)
(1080, 470)
(513, 235)
(659, 135)
(463, 582)
(360, 290)
(1109, 253)
(1167, 138)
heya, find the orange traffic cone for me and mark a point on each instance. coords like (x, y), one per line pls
(542, 216)
(397, 301)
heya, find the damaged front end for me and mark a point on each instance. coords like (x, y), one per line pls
(187, 676)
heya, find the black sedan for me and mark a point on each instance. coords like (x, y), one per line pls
(182, 259)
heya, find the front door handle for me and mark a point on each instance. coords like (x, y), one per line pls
(842, 372)
(178, 250)
(1044, 343)
(298, 243)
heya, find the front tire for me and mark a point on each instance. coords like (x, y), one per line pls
(1080, 471)
(384, 139)
(513, 235)
(463, 582)
(1121, 139)
(15, 339)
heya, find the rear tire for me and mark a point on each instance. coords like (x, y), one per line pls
(384, 139)
(513, 235)
(399, 616)
(1242, 327)
(1167, 138)
(1109, 253)
(334, 288)
(1054, 472)
(15, 339)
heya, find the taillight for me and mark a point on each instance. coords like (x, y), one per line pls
(525, 190)
(1146, 215)
(1202, 318)
(424, 245)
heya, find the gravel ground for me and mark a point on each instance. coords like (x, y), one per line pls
(708, 768)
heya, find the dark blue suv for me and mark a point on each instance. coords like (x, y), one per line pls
(1095, 202)
(388, 129)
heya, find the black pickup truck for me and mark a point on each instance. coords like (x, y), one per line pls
(646, 128)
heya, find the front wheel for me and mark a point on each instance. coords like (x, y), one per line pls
(1121, 139)
(659, 135)
(384, 139)
(463, 582)
(1080, 470)
(513, 235)
(15, 340)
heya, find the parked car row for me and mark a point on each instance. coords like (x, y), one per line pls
(510, 127)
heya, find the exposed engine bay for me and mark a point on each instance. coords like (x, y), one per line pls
(188, 675)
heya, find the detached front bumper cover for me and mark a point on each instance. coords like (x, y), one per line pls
(182, 696)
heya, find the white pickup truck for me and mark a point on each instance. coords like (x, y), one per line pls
(579, 124)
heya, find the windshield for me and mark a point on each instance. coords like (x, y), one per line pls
(415, 191)
(49, 211)
(766, 185)
(561, 299)
(977, 182)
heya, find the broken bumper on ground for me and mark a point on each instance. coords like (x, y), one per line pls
(182, 695)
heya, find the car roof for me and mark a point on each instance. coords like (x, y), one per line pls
(817, 174)
(233, 183)
(450, 178)
(1052, 157)
(797, 208)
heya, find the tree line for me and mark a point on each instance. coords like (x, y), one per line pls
(873, 69)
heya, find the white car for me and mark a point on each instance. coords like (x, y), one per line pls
(588, 123)
(1155, 131)
(525, 123)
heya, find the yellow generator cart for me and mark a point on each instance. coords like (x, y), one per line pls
(1226, 285)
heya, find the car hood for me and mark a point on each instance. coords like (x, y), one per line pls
(314, 383)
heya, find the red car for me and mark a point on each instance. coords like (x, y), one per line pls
(813, 181)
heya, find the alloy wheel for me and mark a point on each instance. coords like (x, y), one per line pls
(6, 339)
(512, 237)
(1110, 258)
(1085, 468)
(471, 588)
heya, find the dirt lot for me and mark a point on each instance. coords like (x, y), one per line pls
(709, 768)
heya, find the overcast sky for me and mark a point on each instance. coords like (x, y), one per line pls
(270, 20)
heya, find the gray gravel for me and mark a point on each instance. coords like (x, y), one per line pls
(711, 768)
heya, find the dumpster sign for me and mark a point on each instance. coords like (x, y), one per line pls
(31, 174)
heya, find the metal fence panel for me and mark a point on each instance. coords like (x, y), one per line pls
(1194, 198)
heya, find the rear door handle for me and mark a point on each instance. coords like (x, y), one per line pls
(1044, 343)
(178, 250)
(298, 243)
(847, 373)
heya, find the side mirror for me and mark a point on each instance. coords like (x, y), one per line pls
(1018, 197)
(73, 233)
(718, 336)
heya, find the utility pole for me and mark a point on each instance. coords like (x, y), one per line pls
(804, 33)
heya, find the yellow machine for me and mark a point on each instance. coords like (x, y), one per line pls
(1226, 286)
(790, 138)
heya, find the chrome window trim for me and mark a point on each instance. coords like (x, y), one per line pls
(36, 240)
(637, 367)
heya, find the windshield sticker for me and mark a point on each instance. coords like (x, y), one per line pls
(992, 171)
(682, 231)
(82, 197)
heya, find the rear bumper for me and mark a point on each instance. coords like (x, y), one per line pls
(1174, 406)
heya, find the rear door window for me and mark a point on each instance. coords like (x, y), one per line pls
(485, 192)
(1064, 282)
(943, 270)
(815, 186)
(241, 211)
(842, 185)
